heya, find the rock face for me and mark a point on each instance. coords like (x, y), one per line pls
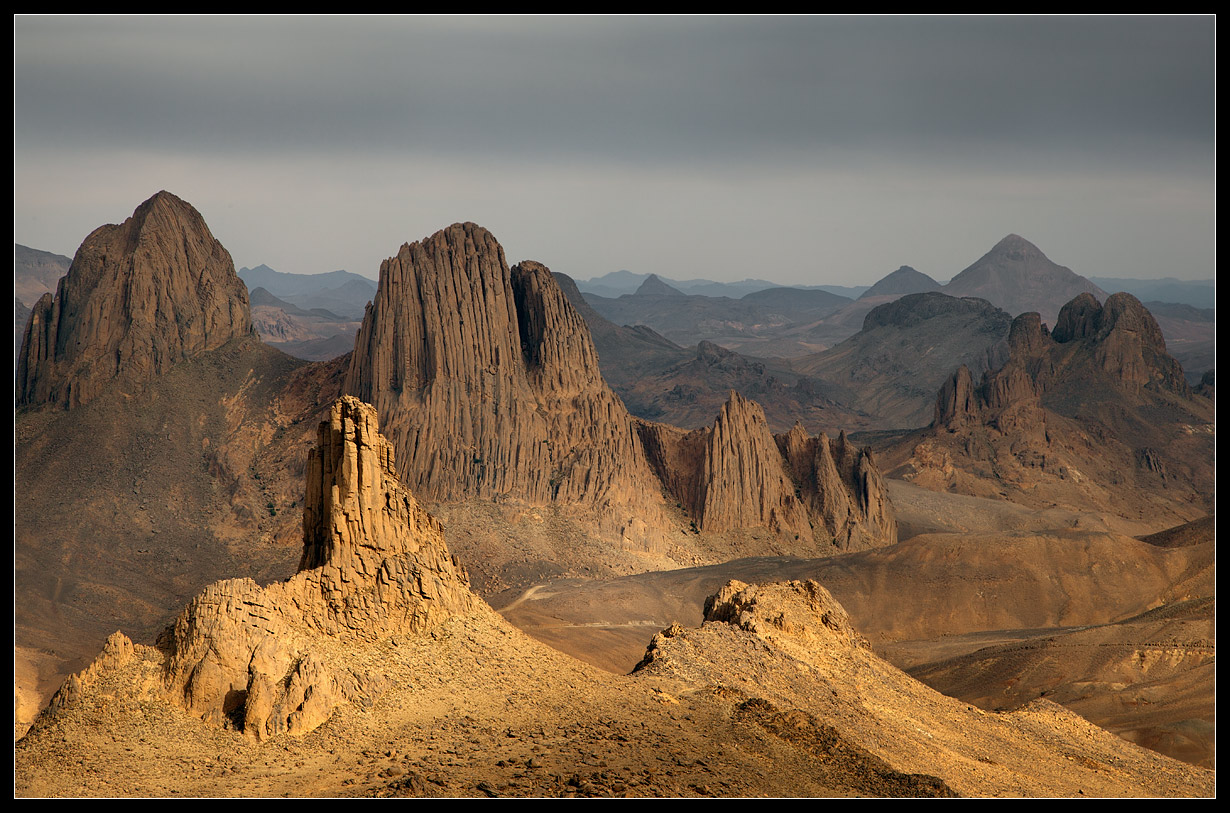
(488, 384)
(374, 563)
(1016, 276)
(138, 298)
(736, 475)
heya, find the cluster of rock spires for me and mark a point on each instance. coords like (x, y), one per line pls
(374, 564)
(736, 475)
(138, 298)
(1117, 344)
(1094, 413)
(485, 379)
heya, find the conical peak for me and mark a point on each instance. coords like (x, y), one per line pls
(652, 286)
(138, 298)
(1016, 248)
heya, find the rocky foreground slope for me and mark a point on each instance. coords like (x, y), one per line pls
(374, 671)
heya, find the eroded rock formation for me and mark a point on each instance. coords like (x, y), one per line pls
(374, 564)
(736, 475)
(1094, 415)
(138, 298)
(488, 385)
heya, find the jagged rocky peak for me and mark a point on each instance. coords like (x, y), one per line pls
(1028, 335)
(1125, 340)
(825, 496)
(487, 383)
(1117, 346)
(555, 342)
(374, 564)
(138, 298)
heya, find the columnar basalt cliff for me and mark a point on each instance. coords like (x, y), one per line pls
(374, 564)
(737, 475)
(138, 298)
(488, 384)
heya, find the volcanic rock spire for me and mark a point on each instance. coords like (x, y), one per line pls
(374, 564)
(138, 298)
(738, 476)
(487, 383)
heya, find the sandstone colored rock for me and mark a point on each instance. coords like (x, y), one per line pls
(737, 475)
(488, 385)
(374, 564)
(138, 298)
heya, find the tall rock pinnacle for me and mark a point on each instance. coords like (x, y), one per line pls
(737, 476)
(374, 564)
(487, 383)
(138, 298)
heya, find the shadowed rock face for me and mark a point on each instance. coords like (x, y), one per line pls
(1118, 346)
(138, 298)
(488, 384)
(1095, 415)
(737, 475)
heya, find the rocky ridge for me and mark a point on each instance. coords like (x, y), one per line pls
(138, 298)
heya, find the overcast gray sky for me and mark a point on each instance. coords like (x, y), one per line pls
(799, 149)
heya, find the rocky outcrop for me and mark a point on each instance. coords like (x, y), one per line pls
(1127, 343)
(842, 487)
(374, 564)
(488, 385)
(138, 298)
(736, 475)
(1117, 347)
(1095, 415)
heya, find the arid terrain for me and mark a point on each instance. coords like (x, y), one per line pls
(966, 551)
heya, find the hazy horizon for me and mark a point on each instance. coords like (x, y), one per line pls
(801, 150)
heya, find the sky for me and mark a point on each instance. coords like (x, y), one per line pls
(802, 150)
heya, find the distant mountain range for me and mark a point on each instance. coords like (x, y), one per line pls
(341, 292)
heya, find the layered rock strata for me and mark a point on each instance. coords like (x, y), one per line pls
(737, 475)
(138, 298)
(374, 564)
(487, 382)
